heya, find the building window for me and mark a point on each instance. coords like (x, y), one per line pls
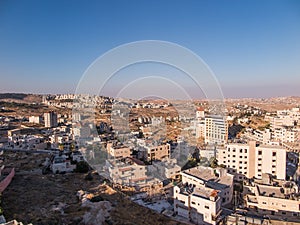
(241, 150)
(273, 153)
(264, 203)
(245, 150)
(207, 207)
(259, 152)
(194, 203)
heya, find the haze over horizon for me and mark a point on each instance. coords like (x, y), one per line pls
(253, 47)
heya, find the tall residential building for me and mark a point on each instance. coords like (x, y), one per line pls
(212, 128)
(50, 119)
(252, 160)
(76, 117)
(216, 129)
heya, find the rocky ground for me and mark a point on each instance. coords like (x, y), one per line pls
(53, 198)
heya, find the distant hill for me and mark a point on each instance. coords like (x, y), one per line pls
(20, 98)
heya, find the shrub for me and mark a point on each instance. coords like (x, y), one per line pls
(82, 167)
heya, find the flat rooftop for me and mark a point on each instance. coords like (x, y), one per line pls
(202, 192)
(208, 175)
(270, 191)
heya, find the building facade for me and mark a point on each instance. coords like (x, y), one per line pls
(50, 119)
(252, 160)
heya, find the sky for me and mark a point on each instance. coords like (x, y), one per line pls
(252, 47)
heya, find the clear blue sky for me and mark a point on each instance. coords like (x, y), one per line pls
(253, 47)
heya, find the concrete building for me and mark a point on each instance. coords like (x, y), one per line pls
(217, 179)
(119, 151)
(272, 197)
(165, 169)
(200, 129)
(284, 118)
(252, 160)
(128, 172)
(200, 205)
(157, 152)
(212, 128)
(286, 134)
(35, 119)
(76, 117)
(50, 119)
(216, 130)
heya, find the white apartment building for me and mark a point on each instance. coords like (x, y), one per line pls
(35, 119)
(284, 118)
(76, 117)
(252, 160)
(279, 199)
(50, 119)
(286, 134)
(217, 179)
(216, 130)
(213, 128)
(200, 129)
(275, 136)
(263, 137)
(201, 205)
(200, 114)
